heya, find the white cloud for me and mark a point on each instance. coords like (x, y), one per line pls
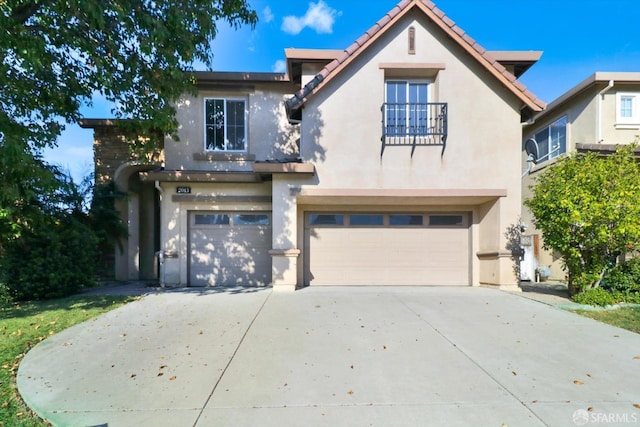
(319, 17)
(267, 15)
(279, 66)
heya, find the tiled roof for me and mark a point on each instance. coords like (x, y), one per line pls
(447, 25)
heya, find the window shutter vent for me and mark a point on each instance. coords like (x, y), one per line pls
(412, 41)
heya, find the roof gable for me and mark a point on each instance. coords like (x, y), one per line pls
(449, 27)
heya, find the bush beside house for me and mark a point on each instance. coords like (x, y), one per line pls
(587, 207)
(58, 252)
(620, 284)
(51, 261)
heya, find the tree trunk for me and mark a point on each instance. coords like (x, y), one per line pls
(574, 289)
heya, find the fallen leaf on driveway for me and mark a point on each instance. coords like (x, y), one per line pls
(132, 376)
(637, 357)
(578, 382)
(160, 374)
(171, 378)
(636, 405)
(514, 372)
(350, 392)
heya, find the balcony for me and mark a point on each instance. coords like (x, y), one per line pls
(414, 124)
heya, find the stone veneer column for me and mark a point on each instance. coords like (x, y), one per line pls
(114, 164)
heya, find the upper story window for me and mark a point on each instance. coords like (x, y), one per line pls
(409, 119)
(225, 124)
(627, 108)
(552, 140)
(406, 108)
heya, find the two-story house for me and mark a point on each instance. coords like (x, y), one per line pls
(395, 161)
(598, 114)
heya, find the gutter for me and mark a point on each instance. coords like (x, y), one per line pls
(600, 99)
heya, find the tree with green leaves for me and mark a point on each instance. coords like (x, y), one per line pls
(588, 209)
(57, 55)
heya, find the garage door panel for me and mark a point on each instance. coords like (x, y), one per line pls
(388, 255)
(230, 255)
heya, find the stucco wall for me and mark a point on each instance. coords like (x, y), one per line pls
(268, 133)
(342, 125)
(612, 132)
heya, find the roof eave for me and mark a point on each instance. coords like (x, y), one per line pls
(447, 26)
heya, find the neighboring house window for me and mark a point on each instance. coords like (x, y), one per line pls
(627, 109)
(225, 124)
(406, 109)
(552, 140)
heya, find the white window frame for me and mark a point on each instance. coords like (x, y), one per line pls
(226, 148)
(551, 151)
(408, 82)
(633, 120)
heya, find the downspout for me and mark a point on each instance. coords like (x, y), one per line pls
(160, 253)
(600, 98)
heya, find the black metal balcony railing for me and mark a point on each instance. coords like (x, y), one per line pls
(413, 124)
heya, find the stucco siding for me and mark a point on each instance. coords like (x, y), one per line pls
(268, 133)
(613, 132)
(582, 121)
(342, 126)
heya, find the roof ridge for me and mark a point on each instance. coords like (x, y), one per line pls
(298, 99)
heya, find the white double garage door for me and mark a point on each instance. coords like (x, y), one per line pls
(340, 248)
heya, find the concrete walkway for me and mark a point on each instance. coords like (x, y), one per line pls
(339, 356)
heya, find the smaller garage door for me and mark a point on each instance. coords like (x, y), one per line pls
(229, 248)
(387, 248)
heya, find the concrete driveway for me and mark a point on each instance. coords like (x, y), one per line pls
(339, 356)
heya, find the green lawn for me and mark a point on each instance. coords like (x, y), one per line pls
(25, 325)
(625, 317)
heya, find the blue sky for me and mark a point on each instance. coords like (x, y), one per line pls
(578, 38)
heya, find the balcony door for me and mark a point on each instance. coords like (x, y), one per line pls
(407, 111)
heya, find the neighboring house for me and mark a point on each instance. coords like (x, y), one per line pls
(596, 115)
(392, 162)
